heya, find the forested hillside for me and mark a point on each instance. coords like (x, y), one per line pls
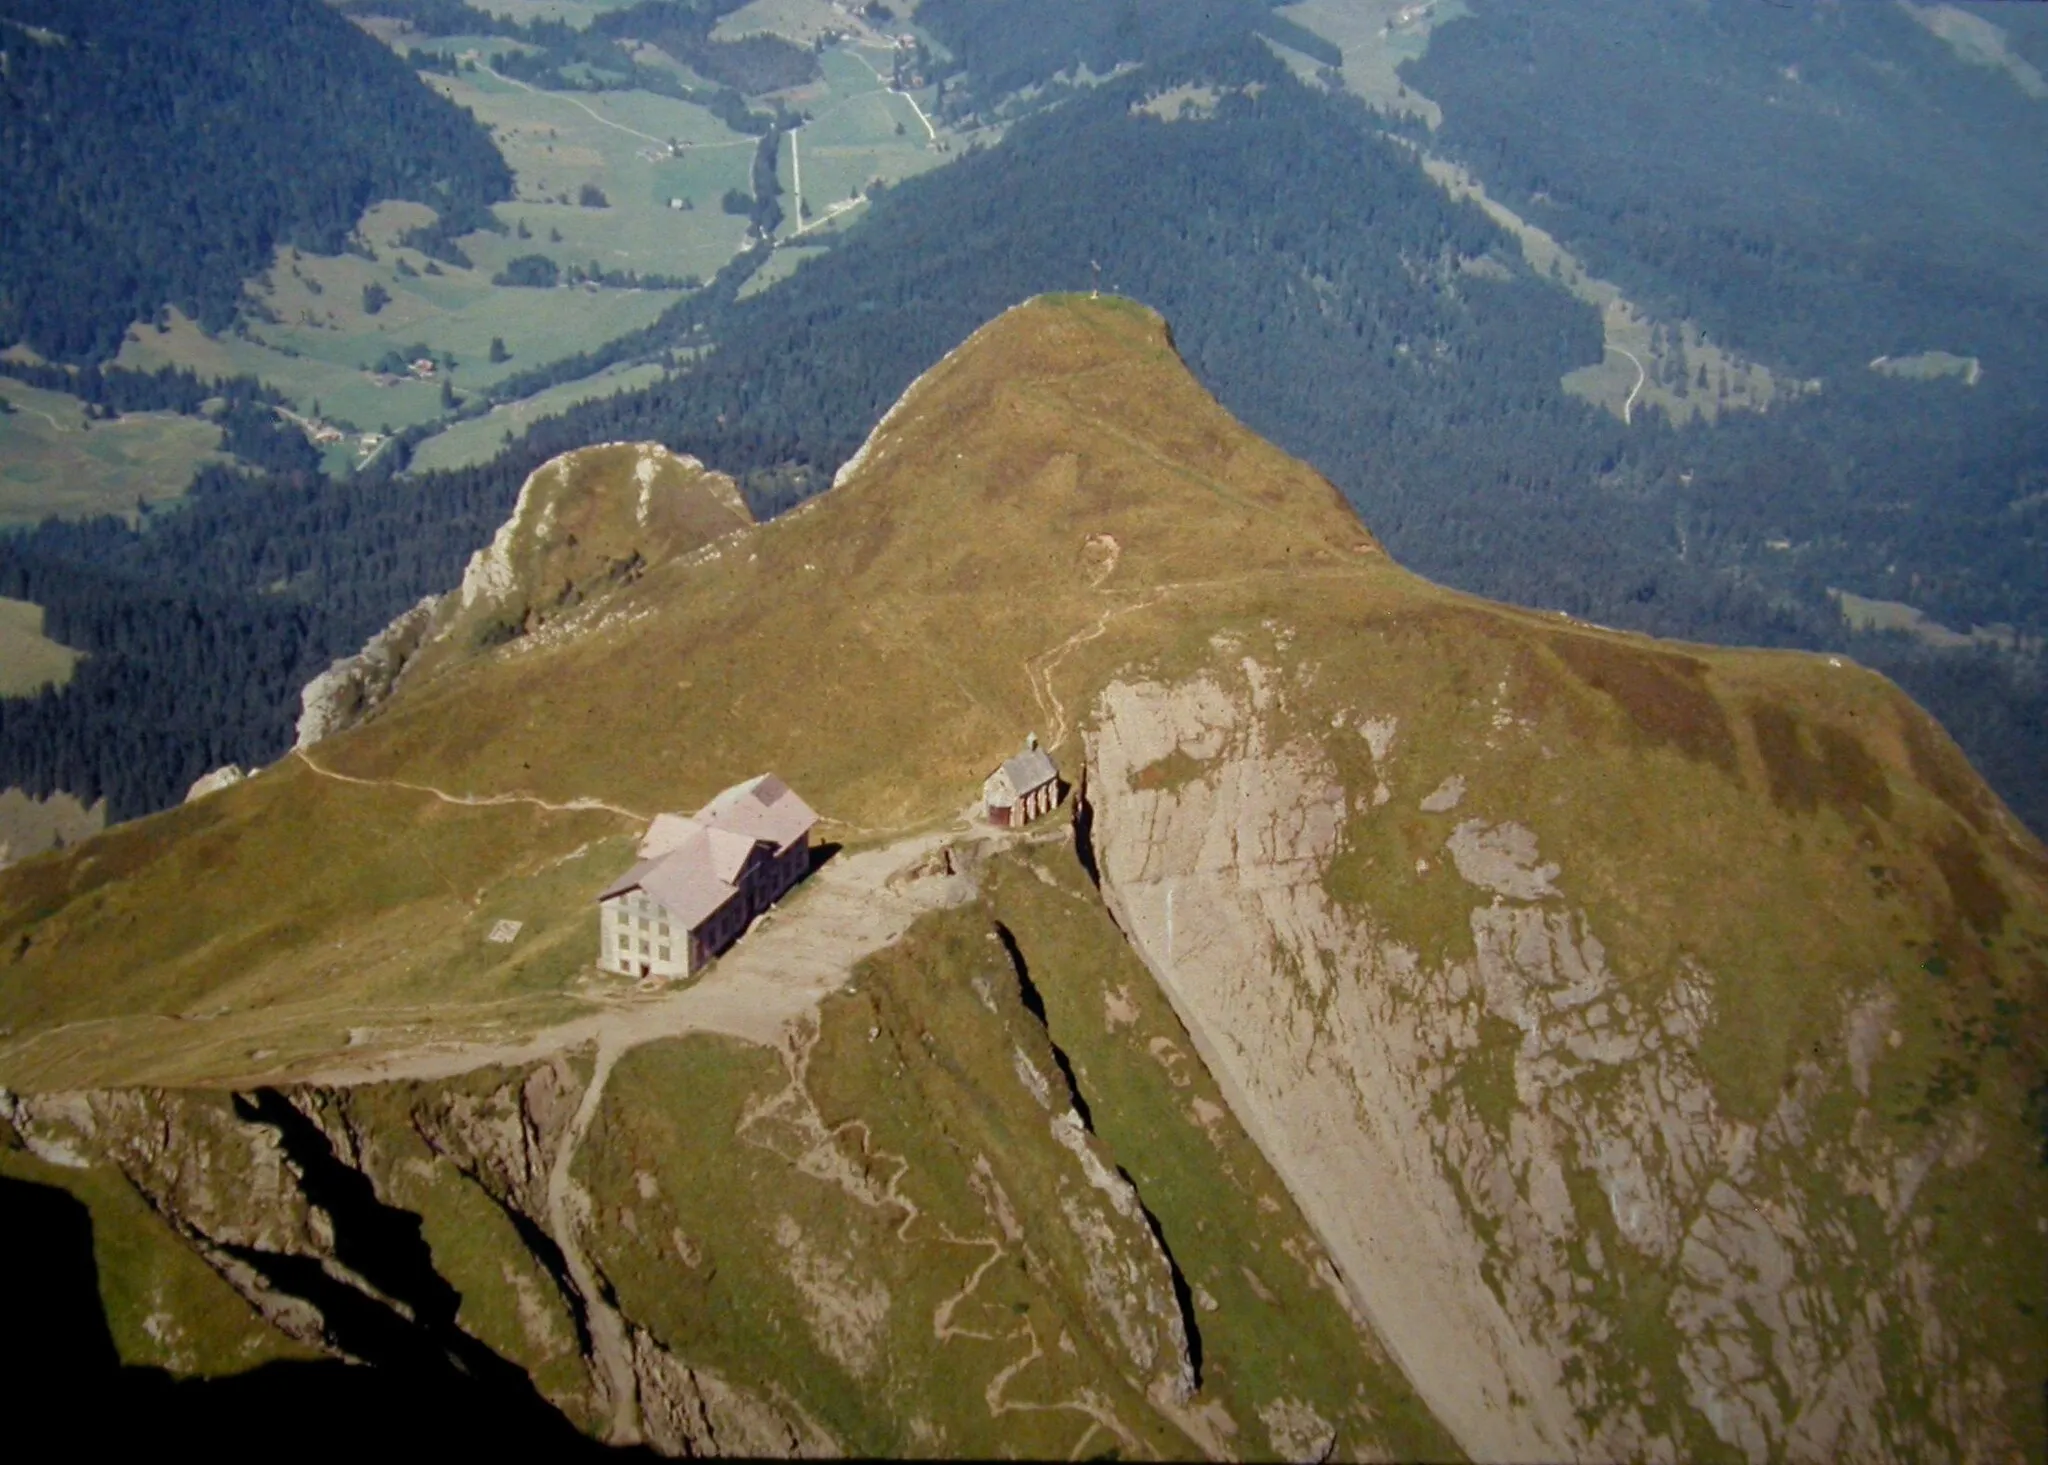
(1337, 302)
(1007, 46)
(552, 53)
(1822, 183)
(156, 154)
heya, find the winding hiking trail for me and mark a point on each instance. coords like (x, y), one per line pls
(1628, 408)
(473, 801)
(789, 961)
(1039, 669)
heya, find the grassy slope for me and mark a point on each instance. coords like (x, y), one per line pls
(913, 1073)
(480, 439)
(29, 660)
(1794, 825)
(880, 646)
(165, 1308)
(53, 462)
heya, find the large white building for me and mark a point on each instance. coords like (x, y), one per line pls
(702, 878)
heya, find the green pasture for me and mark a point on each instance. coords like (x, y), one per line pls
(345, 394)
(29, 660)
(779, 267)
(557, 143)
(479, 439)
(52, 461)
(577, 13)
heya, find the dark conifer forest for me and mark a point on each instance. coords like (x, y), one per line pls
(1328, 293)
(156, 154)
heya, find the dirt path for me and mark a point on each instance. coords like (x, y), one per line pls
(796, 174)
(1039, 669)
(930, 133)
(845, 206)
(569, 1211)
(1629, 407)
(473, 801)
(584, 109)
(789, 961)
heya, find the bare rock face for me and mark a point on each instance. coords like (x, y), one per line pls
(222, 1182)
(214, 782)
(694, 1413)
(236, 1178)
(353, 687)
(584, 522)
(1502, 1152)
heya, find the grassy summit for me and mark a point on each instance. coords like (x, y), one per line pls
(1820, 945)
(1056, 500)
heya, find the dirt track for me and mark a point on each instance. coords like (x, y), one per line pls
(787, 962)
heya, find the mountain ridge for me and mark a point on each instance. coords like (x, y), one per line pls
(1633, 984)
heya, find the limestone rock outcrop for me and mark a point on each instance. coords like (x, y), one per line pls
(354, 686)
(1506, 1153)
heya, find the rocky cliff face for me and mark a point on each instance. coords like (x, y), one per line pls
(309, 1204)
(1512, 1145)
(1510, 1037)
(563, 544)
(465, 1224)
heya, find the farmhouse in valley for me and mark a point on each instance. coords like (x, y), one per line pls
(701, 879)
(1023, 788)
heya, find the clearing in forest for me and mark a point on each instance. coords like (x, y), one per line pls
(52, 461)
(29, 660)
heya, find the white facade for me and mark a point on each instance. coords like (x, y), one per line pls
(636, 934)
(702, 878)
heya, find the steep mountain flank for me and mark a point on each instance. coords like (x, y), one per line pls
(1642, 1079)
(1439, 1029)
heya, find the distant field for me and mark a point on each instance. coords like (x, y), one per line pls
(1649, 364)
(780, 266)
(559, 142)
(29, 826)
(1865, 614)
(1927, 366)
(341, 392)
(805, 22)
(29, 660)
(859, 132)
(479, 439)
(53, 462)
(578, 13)
(1980, 42)
(663, 167)
(1376, 36)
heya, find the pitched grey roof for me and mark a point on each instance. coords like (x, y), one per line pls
(631, 880)
(761, 808)
(692, 866)
(667, 832)
(1030, 769)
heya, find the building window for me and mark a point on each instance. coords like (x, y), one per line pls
(664, 928)
(664, 953)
